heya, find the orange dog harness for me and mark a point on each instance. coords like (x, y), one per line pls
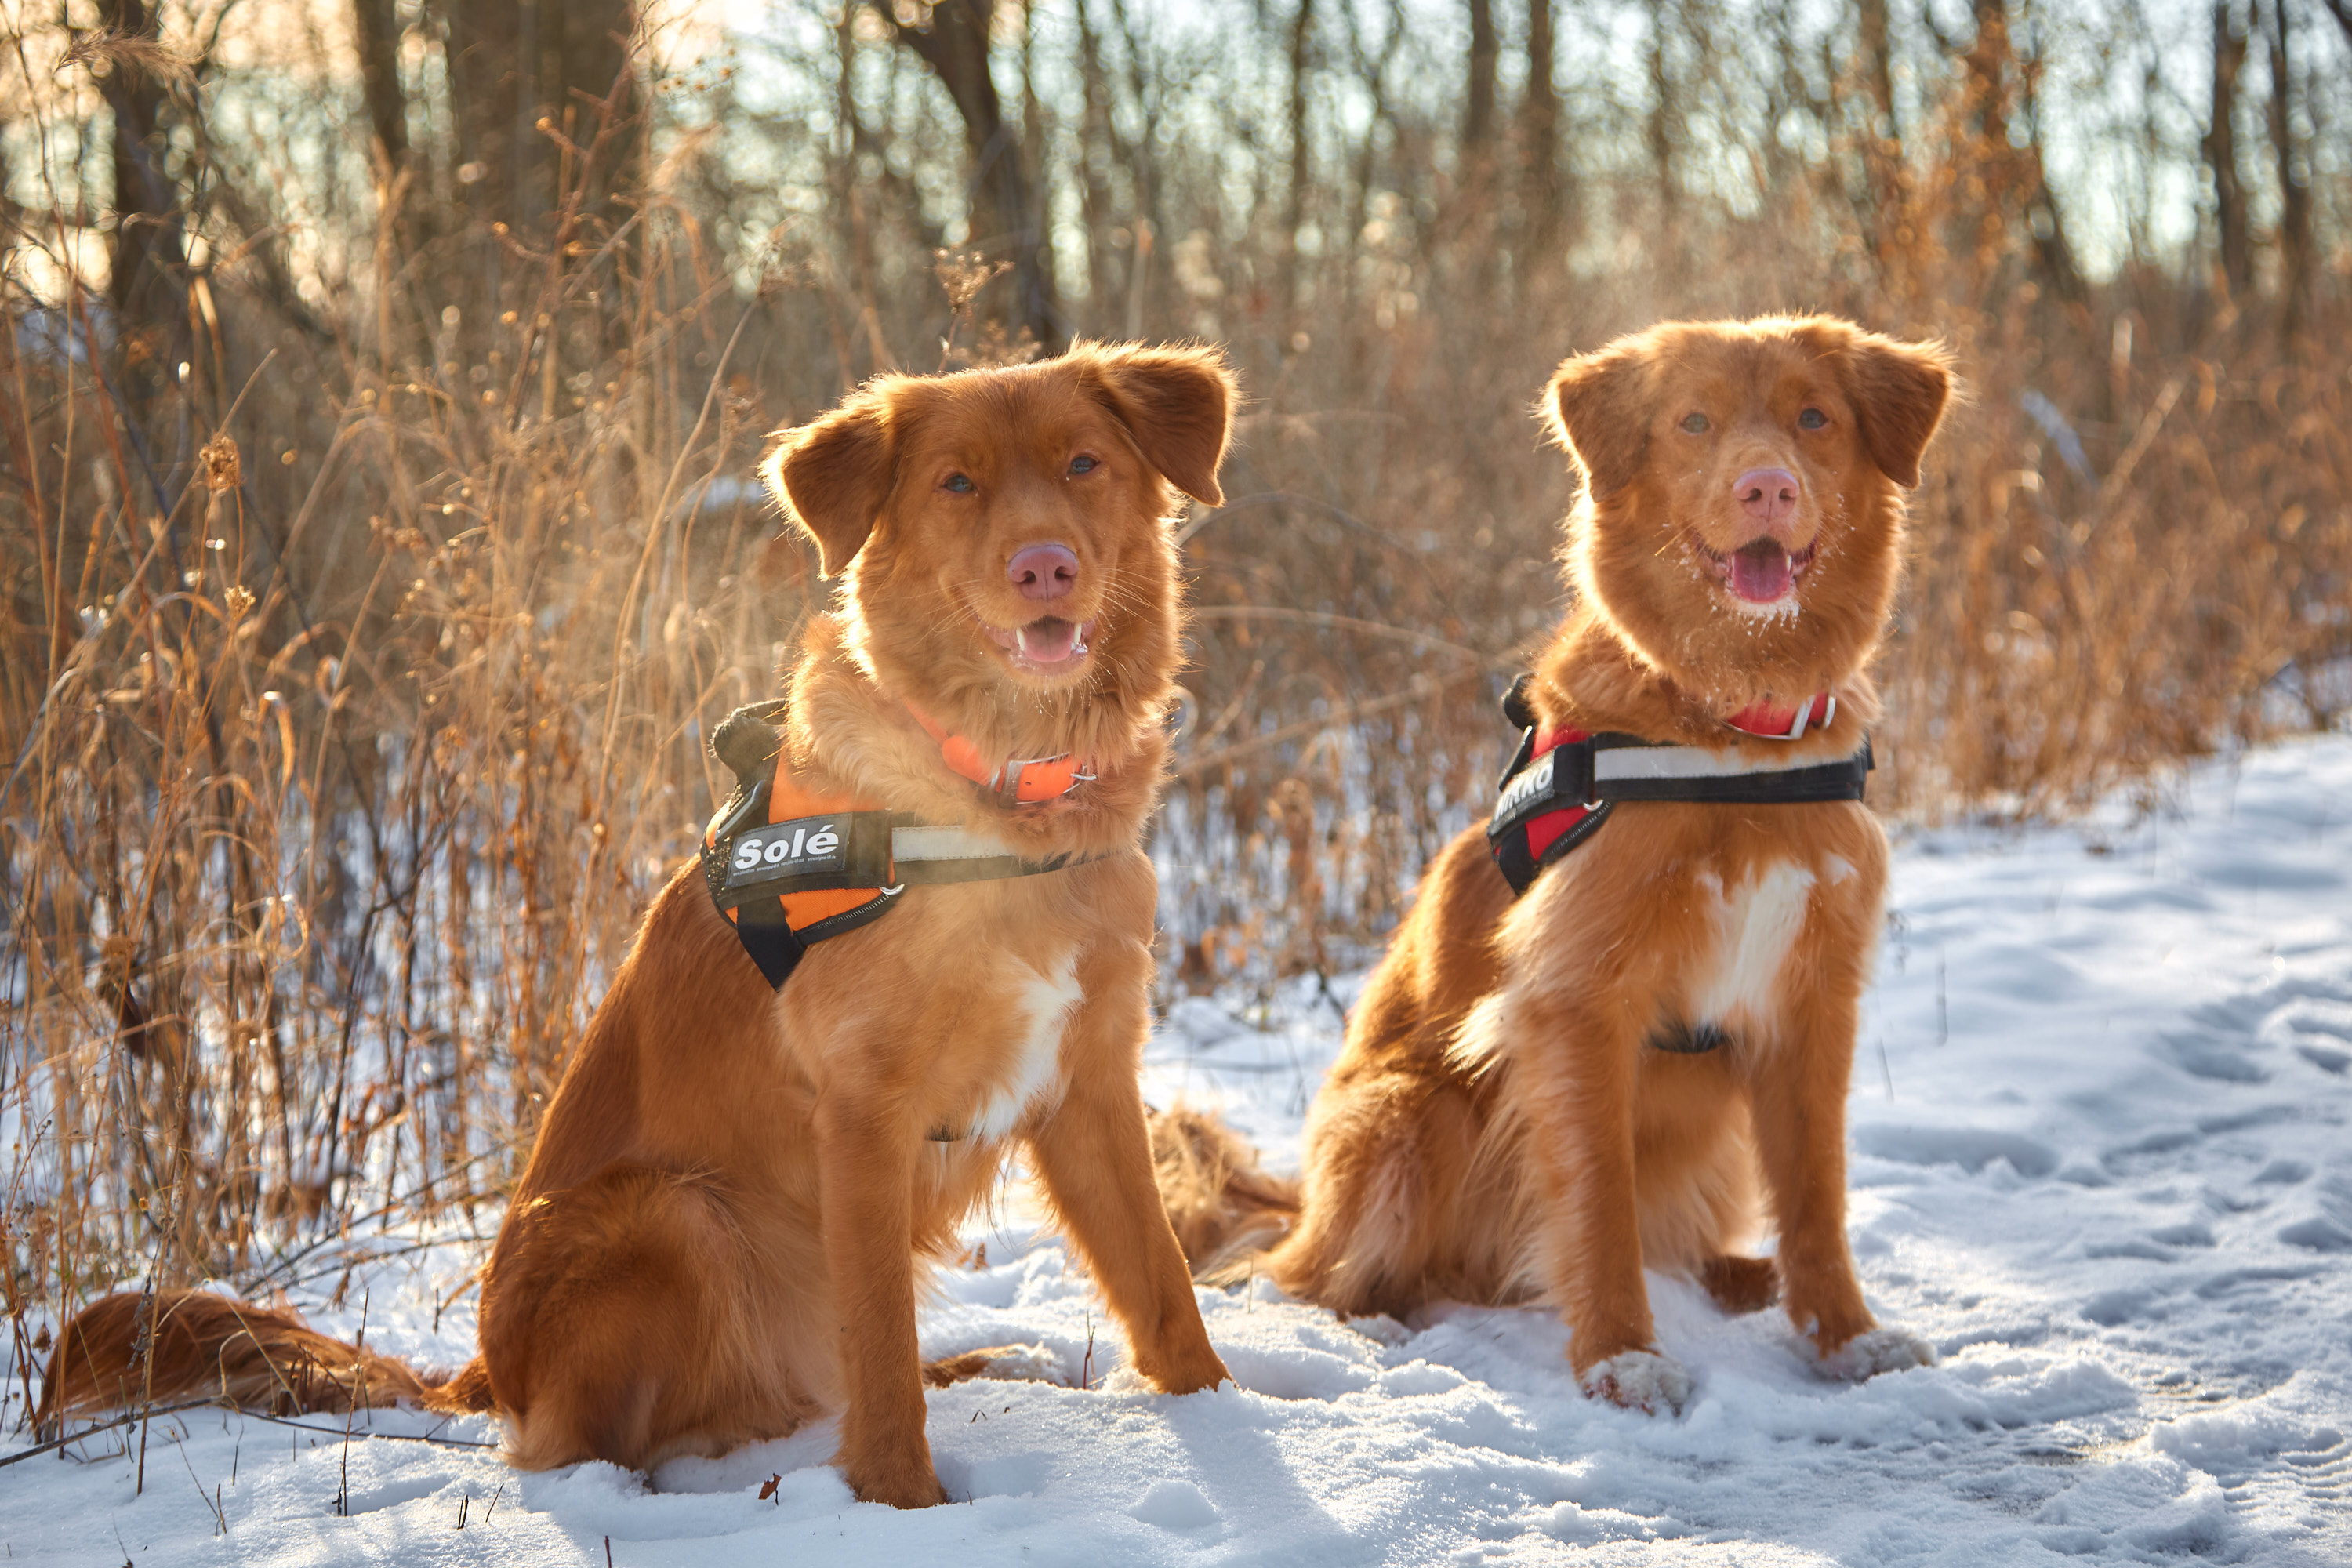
(791, 866)
(1562, 784)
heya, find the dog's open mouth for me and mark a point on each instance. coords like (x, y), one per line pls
(1048, 644)
(1760, 572)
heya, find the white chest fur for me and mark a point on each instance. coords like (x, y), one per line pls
(1038, 1018)
(1757, 922)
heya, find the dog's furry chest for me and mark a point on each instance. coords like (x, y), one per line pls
(1752, 933)
(965, 997)
(1743, 937)
(1029, 1073)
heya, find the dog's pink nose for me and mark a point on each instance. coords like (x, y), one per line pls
(1044, 571)
(1768, 495)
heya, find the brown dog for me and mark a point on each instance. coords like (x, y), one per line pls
(719, 1233)
(1542, 1095)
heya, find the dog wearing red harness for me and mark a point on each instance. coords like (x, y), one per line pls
(919, 938)
(1614, 1032)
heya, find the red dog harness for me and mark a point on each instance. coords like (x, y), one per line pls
(1562, 784)
(791, 866)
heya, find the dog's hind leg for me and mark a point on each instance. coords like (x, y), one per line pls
(1390, 1156)
(618, 1324)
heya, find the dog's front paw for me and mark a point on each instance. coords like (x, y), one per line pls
(900, 1486)
(1196, 1373)
(1639, 1380)
(1875, 1350)
(885, 1467)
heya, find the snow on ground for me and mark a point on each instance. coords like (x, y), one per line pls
(2100, 1158)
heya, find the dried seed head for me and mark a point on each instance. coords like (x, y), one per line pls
(223, 469)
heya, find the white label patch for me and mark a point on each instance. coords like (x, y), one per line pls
(810, 843)
(1532, 784)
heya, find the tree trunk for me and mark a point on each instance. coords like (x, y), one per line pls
(2234, 234)
(2296, 244)
(1881, 151)
(1005, 215)
(2053, 252)
(1660, 135)
(1478, 97)
(1878, 44)
(1294, 211)
(488, 87)
(1096, 154)
(147, 257)
(375, 29)
(514, 63)
(1544, 193)
(589, 59)
(2016, 181)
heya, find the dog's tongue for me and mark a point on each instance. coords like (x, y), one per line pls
(1048, 640)
(1760, 571)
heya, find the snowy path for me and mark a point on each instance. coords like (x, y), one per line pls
(2101, 1159)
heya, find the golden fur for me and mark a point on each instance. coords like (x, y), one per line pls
(1496, 1129)
(720, 1231)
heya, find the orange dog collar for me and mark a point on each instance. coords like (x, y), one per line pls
(1027, 780)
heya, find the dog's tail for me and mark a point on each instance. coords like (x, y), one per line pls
(1225, 1208)
(139, 1348)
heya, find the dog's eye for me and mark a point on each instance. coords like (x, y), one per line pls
(1084, 465)
(1811, 419)
(1696, 423)
(961, 484)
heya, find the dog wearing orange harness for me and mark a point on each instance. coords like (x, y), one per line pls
(919, 938)
(1614, 1032)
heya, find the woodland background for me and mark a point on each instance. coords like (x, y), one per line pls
(381, 384)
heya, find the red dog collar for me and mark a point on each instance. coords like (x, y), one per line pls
(1779, 721)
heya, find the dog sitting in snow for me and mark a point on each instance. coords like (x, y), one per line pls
(921, 936)
(1544, 1092)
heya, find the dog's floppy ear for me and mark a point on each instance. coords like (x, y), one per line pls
(1898, 392)
(1177, 405)
(833, 474)
(1599, 408)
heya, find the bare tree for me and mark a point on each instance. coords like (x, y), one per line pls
(2002, 89)
(147, 253)
(1302, 150)
(542, 98)
(1478, 88)
(2233, 231)
(376, 28)
(1543, 193)
(2297, 245)
(1878, 44)
(953, 39)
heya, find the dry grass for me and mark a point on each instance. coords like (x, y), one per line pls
(353, 684)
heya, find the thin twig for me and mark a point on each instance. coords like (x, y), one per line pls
(125, 1419)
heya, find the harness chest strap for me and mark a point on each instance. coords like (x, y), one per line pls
(791, 866)
(1561, 785)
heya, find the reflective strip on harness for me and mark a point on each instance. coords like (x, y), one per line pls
(1562, 785)
(791, 866)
